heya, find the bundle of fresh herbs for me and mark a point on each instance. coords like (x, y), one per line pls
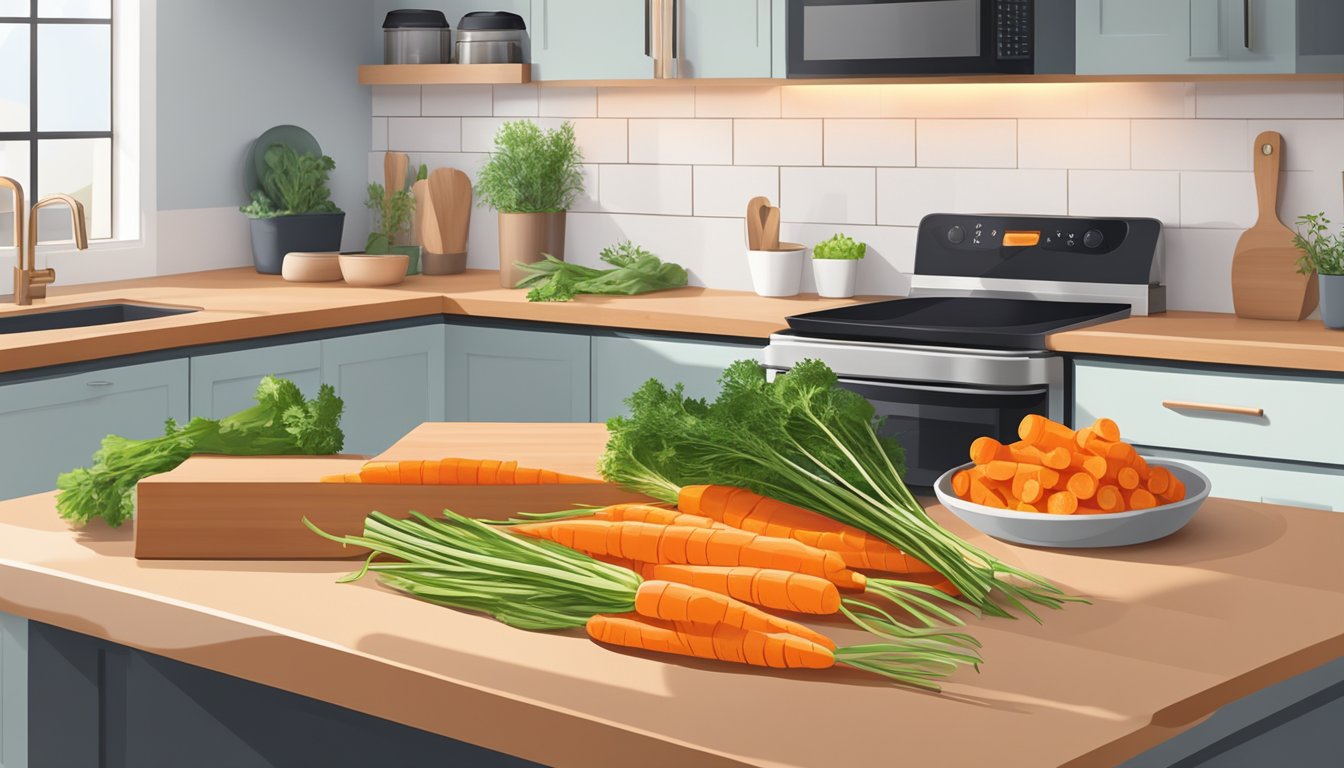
(634, 270)
(806, 441)
(292, 184)
(282, 422)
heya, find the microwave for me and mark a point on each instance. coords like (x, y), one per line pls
(901, 38)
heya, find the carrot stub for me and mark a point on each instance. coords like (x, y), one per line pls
(1062, 503)
(673, 601)
(1044, 433)
(721, 641)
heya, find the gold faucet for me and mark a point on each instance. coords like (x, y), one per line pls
(29, 281)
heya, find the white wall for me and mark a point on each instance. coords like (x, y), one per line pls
(673, 167)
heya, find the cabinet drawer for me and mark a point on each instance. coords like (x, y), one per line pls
(621, 365)
(1288, 485)
(1299, 418)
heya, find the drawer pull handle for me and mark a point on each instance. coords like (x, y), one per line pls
(98, 384)
(1176, 405)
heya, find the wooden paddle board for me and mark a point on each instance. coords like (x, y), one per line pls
(1265, 281)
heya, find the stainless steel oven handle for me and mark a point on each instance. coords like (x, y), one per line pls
(947, 390)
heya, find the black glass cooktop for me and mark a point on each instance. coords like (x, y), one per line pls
(956, 321)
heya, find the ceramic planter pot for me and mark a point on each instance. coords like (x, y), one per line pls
(308, 232)
(1332, 301)
(524, 237)
(835, 277)
(777, 273)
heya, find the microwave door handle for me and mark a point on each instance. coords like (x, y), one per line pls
(944, 390)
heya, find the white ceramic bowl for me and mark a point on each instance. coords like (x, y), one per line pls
(365, 270)
(1117, 529)
(777, 273)
(299, 267)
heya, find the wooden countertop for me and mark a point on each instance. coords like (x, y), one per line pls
(1245, 596)
(241, 304)
(1207, 337)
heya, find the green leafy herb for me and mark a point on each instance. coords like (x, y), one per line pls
(634, 270)
(1321, 251)
(292, 184)
(532, 171)
(281, 423)
(806, 441)
(394, 214)
(839, 247)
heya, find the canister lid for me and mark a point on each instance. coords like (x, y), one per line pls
(411, 18)
(491, 20)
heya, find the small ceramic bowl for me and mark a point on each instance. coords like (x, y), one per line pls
(366, 270)
(778, 272)
(299, 267)
(1117, 529)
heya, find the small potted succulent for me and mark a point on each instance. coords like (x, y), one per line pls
(835, 263)
(393, 214)
(532, 178)
(1323, 253)
(293, 210)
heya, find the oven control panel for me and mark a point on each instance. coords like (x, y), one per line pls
(1078, 235)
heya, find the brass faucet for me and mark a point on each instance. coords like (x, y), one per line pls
(29, 281)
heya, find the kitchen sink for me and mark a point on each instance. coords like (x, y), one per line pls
(84, 316)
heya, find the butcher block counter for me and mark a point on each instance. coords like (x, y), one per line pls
(1245, 596)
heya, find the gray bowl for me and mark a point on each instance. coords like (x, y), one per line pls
(1113, 530)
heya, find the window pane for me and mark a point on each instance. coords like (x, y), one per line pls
(74, 80)
(81, 168)
(73, 9)
(15, 8)
(14, 164)
(14, 84)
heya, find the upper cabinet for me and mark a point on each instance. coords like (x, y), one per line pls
(1209, 37)
(723, 39)
(590, 40)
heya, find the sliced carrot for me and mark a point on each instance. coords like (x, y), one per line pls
(673, 601)
(1044, 433)
(1159, 479)
(508, 473)
(1023, 506)
(488, 474)
(1001, 470)
(1127, 478)
(1082, 485)
(1089, 463)
(429, 472)
(1062, 503)
(1141, 499)
(982, 493)
(986, 449)
(1109, 499)
(961, 483)
(722, 642)
(1106, 429)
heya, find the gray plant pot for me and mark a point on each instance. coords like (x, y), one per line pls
(1332, 301)
(311, 232)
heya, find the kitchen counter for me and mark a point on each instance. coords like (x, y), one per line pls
(240, 304)
(1245, 596)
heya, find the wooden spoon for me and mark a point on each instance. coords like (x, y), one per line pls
(450, 190)
(1265, 281)
(425, 228)
(394, 172)
(770, 230)
(756, 210)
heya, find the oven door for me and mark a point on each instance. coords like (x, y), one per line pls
(836, 38)
(936, 423)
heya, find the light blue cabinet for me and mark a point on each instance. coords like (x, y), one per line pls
(724, 39)
(391, 381)
(13, 691)
(49, 426)
(225, 383)
(589, 40)
(511, 375)
(622, 363)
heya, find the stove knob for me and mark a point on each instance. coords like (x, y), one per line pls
(1092, 238)
(956, 235)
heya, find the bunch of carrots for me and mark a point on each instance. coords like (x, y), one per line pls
(1055, 470)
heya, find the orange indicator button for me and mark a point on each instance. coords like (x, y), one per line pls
(1021, 239)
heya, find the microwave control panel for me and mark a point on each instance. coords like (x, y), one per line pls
(1013, 25)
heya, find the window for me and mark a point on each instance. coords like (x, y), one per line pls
(56, 109)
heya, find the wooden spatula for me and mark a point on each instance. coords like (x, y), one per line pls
(394, 172)
(425, 228)
(756, 210)
(450, 189)
(1265, 281)
(770, 230)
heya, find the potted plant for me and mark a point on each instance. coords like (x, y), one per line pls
(393, 214)
(1323, 253)
(293, 210)
(532, 178)
(835, 263)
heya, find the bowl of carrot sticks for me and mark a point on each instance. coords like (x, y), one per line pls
(1057, 487)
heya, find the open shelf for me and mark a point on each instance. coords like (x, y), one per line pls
(444, 74)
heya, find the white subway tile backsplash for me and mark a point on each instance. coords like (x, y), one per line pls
(600, 141)
(661, 101)
(1139, 100)
(1073, 143)
(967, 100)
(1271, 99)
(828, 195)
(457, 100)
(478, 133)
(1217, 200)
(1199, 268)
(424, 134)
(660, 189)
(906, 195)
(966, 143)
(777, 142)
(379, 133)
(869, 142)
(396, 100)
(723, 190)
(1312, 192)
(836, 101)
(1148, 194)
(516, 100)
(1308, 145)
(887, 263)
(567, 102)
(733, 101)
(1194, 145)
(681, 142)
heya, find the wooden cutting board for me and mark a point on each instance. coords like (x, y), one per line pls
(1265, 281)
(251, 508)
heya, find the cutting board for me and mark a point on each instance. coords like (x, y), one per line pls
(1265, 282)
(251, 508)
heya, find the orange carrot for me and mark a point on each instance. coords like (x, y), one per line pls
(672, 601)
(1141, 499)
(453, 471)
(982, 493)
(642, 513)
(1023, 506)
(1062, 503)
(961, 483)
(1001, 470)
(1044, 433)
(1091, 464)
(1082, 485)
(1159, 480)
(721, 641)
(1127, 478)
(766, 587)
(1106, 430)
(1108, 499)
(740, 508)
(1032, 492)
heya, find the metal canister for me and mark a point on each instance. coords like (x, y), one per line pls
(412, 36)
(492, 37)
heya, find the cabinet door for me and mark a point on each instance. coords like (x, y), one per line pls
(718, 39)
(13, 691)
(589, 40)
(391, 382)
(1270, 482)
(226, 383)
(1186, 36)
(621, 364)
(500, 374)
(50, 426)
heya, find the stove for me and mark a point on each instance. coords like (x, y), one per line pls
(965, 355)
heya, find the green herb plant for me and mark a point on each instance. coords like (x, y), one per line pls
(634, 270)
(393, 213)
(532, 170)
(292, 184)
(281, 423)
(839, 247)
(1322, 252)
